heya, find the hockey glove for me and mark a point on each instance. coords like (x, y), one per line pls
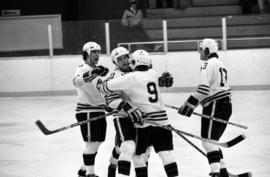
(166, 80)
(133, 112)
(100, 71)
(189, 106)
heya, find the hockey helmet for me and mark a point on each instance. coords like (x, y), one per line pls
(140, 58)
(91, 46)
(118, 52)
(208, 46)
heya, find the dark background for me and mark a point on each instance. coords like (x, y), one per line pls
(70, 9)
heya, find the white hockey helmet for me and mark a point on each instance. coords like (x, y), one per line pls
(208, 46)
(118, 52)
(140, 58)
(91, 46)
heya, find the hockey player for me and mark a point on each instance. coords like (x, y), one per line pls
(141, 87)
(89, 105)
(214, 94)
(123, 125)
(125, 131)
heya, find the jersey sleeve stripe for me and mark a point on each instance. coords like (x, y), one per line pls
(112, 97)
(105, 89)
(157, 116)
(86, 107)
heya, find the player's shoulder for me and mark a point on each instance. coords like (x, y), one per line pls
(116, 73)
(215, 62)
(83, 66)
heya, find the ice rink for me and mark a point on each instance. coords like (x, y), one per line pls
(26, 152)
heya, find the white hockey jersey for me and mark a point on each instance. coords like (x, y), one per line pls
(114, 99)
(214, 82)
(142, 89)
(89, 99)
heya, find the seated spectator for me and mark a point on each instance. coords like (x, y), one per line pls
(132, 20)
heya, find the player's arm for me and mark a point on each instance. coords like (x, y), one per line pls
(117, 84)
(201, 93)
(86, 76)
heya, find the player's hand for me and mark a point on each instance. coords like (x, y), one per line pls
(185, 110)
(133, 112)
(165, 80)
(188, 107)
(100, 71)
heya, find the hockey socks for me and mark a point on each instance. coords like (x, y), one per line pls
(89, 161)
(171, 169)
(223, 169)
(214, 161)
(124, 167)
(111, 170)
(113, 163)
(141, 172)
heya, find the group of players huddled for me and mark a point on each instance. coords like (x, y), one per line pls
(132, 92)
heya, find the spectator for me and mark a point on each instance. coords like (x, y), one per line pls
(132, 21)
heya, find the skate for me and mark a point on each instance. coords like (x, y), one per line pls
(81, 173)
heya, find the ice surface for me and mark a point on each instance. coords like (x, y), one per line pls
(26, 152)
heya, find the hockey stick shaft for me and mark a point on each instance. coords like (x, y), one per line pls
(211, 118)
(228, 144)
(46, 131)
(193, 145)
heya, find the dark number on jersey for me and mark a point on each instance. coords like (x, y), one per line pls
(152, 89)
(223, 76)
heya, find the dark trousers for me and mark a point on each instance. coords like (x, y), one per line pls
(221, 109)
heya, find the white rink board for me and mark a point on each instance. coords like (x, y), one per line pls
(41, 74)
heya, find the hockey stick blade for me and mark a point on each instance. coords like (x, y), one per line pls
(46, 131)
(235, 141)
(227, 144)
(247, 174)
(43, 129)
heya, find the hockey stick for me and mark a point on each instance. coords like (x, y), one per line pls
(227, 144)
(211, 118)
(247, 174)
(46, 131)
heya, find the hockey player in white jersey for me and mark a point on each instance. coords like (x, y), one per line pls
(214, 94)
(125, 131)
(141, 87)
(90, 103)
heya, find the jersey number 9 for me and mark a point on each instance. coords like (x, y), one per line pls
(152, 89)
